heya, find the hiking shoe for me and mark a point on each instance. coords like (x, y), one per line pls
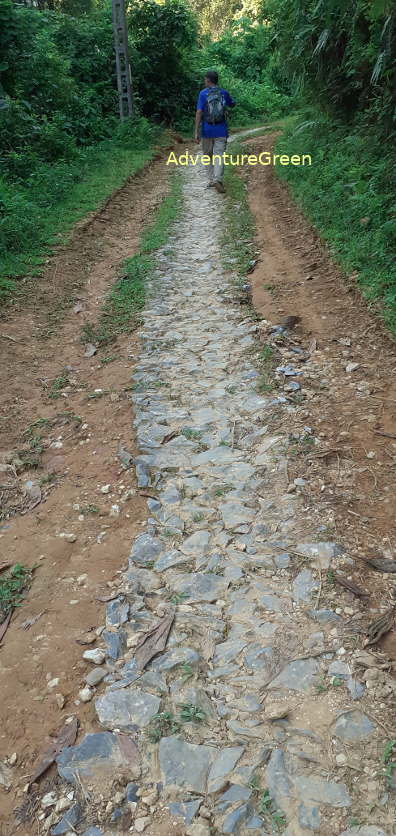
(219, 188)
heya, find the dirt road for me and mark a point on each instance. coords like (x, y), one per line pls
(259, 497)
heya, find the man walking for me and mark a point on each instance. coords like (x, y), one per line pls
(211, 123)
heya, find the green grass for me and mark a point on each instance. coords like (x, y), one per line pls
(238, 228)
(38, 212)
(162, 725)
(349, 194)
(122, 308)
(12, 585)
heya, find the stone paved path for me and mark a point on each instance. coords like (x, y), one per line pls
(261, 711)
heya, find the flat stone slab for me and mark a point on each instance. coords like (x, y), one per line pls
(197, 543)
(145, 549)
(169, 559)
(304, 585)
(185, 764)
(235, 514)
(127, 708)
(323, 792)
(297, 676)
(99, 756)
(320, 553)
(173, 658)
(228, 650)
(222, 766)
(200, 587)
(353, 725)
(186, 810)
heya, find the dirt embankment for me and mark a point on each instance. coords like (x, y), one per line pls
(68, 414)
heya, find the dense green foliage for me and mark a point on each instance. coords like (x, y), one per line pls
(341, 54)
(62, 149)
(248, 67)
(349, 192)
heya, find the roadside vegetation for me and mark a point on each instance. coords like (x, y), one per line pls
(326, 69)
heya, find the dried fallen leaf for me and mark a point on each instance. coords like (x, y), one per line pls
(4, 566)
(125, 456)
(87, 638)
(90, 350)
(360, 593)
(30, 621)
(4, 626)
(66, 737)
(380, 626)
(169, 437)
(381, 564)
(154, 640)
(104, 599)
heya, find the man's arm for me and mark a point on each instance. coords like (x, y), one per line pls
(198, 120)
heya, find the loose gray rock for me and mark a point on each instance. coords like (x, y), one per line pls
(297, 676)
(320, 553)
(200, 587)
(174, 658)
(126, 709)
(322, 792)
(98, 755)
(197, 543)
(115, 643)
(309, 817)
(117, 612)
(233, 822)
(185, 809)
(228, 798)
(145, 549)
(304, 585)
(68, 821)
(353, 725)
(222, 766)
(185, 764)
(95, 676)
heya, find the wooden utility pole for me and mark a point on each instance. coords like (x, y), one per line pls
(124, 83)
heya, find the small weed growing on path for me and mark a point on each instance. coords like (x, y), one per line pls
(265, 802)
(105, 360)
(278, 821)
(190, 434)
(89, 509)
(223, 489)
(57, 385)
(177, 597)
(122, 308)
(162, 725)
(322, 686)
(48, 479)
(198, 517)
(12, 584)
(389, 761)
(39, 422)
(191, 713)
(186, 671)
(238, 247)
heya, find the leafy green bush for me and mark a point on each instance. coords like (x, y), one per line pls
(349, 193)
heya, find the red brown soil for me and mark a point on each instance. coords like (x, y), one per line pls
(43, 336)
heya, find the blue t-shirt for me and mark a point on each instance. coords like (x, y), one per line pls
(221, 129)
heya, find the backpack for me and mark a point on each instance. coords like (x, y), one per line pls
(214, 112)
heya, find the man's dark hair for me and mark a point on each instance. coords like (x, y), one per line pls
(212, 76)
